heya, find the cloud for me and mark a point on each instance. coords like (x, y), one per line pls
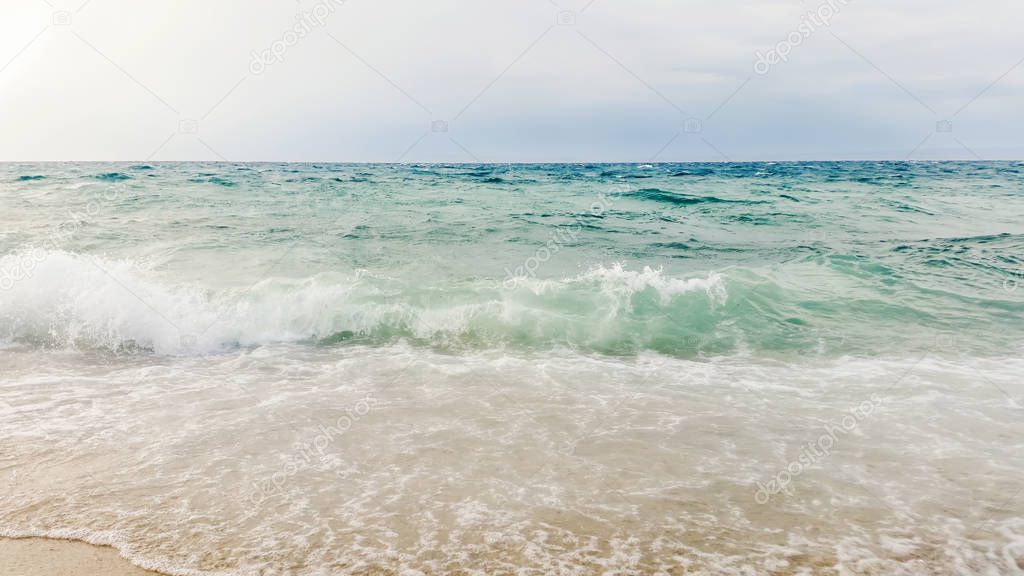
(513, 80)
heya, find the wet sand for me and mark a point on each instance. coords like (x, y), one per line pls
(45, 557)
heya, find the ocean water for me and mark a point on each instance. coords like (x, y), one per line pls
(775, 368)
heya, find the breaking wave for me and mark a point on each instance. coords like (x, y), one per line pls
(58, 299)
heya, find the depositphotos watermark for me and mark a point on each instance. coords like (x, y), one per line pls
(307, 454)
(810, 23)
(21, 266)
(307, 22)
(814, 452)
(560, 237)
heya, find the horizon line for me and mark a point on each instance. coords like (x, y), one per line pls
(527, 163)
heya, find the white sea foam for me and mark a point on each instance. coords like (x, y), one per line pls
(67, 300)
(492, 461)
(622, 282)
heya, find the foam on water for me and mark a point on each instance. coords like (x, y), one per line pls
(359, 459)
(66, 300)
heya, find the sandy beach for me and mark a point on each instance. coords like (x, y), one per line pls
(45, 557)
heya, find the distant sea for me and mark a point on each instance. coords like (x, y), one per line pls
(720, 368)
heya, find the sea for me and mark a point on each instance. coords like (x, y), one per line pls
(415, 369)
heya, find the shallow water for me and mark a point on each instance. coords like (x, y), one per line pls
(609, 369)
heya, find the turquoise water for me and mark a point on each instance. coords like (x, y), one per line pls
(297, 369)
(684, 259)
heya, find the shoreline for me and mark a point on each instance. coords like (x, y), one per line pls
(37, 556)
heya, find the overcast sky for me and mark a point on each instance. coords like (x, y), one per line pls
(510, 81)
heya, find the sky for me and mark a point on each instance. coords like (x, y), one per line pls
(511, 81)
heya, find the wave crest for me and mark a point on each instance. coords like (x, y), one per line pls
(66, 300)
